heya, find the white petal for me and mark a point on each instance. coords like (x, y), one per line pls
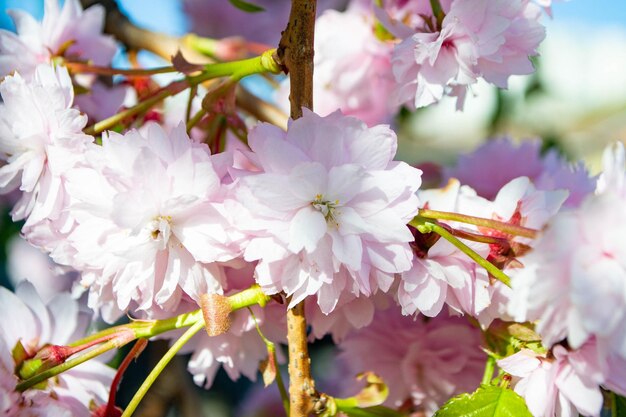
(306, 229)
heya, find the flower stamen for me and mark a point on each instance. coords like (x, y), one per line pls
(327, 208)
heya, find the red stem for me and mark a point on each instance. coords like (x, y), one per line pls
(136, 350)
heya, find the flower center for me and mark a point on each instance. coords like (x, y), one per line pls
(161, 230)
(327, 208)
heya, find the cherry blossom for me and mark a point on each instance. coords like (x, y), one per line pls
(8, 396)
(67, 31)
(583, 254)
(103, 101)
(565, 384)
(422, 360)
(498, 161)
(57, 322)
(40, 138)
(350, 313)
(328, 212)
(486, 38)
(27, 263)
(442, 274)
(613, 176)
(150, 223)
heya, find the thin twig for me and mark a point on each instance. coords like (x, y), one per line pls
(167, 46)
(156, 371)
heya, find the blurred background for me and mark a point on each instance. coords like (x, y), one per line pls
(575, 102)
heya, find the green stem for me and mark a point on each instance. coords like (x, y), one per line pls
(235, 69)
(105, 347)
(79, 67)
(490, 366)
(148, 328)
(126, 333)
(192, 94)
(426, 227)
(437, 12)
(271, 350)
(193, 121)
(248, 297)
(145, 386)
(284, 395)
(206, 46)
(479, 221)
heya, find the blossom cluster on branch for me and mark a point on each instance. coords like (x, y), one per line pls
(174, 214)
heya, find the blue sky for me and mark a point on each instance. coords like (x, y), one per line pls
(166, 15)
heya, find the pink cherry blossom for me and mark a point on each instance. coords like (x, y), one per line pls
(563, 385)
(57, 322)
(583, 254)
(499, 161)
(27, 263)
(422, 362)
(613, 176)
(40, 138)
(8, 395)
(328, 212)
(350, 313)
(486, 38)
(62, 27)
(518, 203)
(352, 68)
(102, 101)
(442, 274)
(150, 223)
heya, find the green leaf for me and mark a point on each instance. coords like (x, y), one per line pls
(246, 7)
(487, 401)
(619, 406)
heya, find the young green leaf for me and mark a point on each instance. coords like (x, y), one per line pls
(619, 406)
(486, 401)
(247, 7)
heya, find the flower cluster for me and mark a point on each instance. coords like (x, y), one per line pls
(415, 55)
(151, 222)
(328, 214)
(583, 254)
(422, 363)
(475, 39)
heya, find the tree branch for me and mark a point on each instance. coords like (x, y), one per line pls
(295, 53)
(301, 384)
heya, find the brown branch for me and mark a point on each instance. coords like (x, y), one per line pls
(260, 109)
(295, 52)
(301, 384)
